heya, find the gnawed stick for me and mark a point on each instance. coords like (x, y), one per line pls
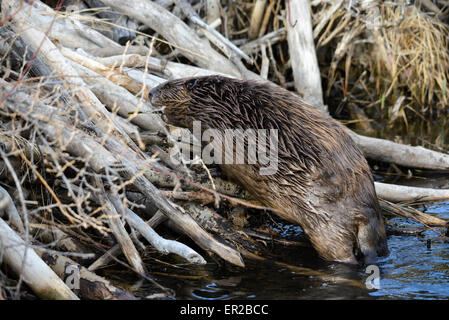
(107, 52)
(133, 61)
(164, 246)
(109, 255)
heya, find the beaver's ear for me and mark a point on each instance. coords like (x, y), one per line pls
(191, 84)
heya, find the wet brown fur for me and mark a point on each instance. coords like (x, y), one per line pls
(323, 182)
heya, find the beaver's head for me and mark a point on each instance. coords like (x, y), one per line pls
(214, 100)
(174, 96)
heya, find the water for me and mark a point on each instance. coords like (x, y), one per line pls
(410, 271)
(413, 271)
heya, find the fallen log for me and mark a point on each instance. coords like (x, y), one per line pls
(408, 156)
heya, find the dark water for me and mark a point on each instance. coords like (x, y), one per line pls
(411, 271)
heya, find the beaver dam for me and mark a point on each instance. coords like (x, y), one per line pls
(103, 196)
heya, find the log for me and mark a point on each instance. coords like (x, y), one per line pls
(115, 75)
(270, 38)
(175, 70)
(37, 275)
(408, 156)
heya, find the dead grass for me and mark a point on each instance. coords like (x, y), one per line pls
(400, 50)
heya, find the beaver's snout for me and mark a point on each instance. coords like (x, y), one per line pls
(152, 96)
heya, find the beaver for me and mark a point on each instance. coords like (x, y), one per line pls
(323, 182)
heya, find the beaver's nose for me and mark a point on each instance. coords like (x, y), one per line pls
(152, 93)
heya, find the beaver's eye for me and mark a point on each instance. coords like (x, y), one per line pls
(191, 84)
